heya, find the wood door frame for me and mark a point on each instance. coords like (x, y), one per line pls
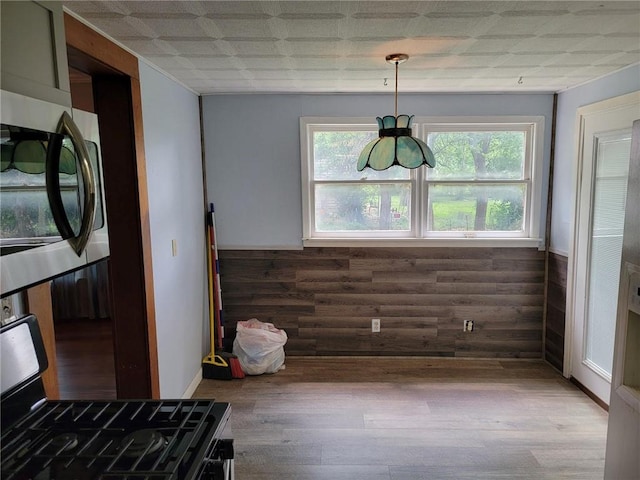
(38, 302)
(130, 269)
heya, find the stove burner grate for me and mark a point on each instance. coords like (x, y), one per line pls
(135, 439)
(143, 442)
(65, 442)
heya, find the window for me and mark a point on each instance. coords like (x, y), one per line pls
(485, 188)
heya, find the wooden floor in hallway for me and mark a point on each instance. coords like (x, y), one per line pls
(86, 368)
(398, 418)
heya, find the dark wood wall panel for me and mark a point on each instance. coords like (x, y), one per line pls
(325, 299)
(556, 310)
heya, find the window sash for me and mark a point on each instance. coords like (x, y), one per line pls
(369, 233)
(491, 203)
(419, 181)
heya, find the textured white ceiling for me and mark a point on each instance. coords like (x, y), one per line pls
(339, 46)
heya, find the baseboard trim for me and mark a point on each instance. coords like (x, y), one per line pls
(590, 394)
(191, 389)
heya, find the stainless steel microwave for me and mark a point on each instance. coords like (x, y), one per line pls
(52, 209)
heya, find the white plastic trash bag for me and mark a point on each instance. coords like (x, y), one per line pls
(259, 347)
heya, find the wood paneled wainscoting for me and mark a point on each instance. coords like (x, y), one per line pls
(325, 298)
(556, 311)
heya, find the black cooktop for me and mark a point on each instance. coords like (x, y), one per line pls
(132, 439)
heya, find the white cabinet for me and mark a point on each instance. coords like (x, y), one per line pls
(33, 51)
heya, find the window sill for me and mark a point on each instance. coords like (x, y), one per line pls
(425, 242)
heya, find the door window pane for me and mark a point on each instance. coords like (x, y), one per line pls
(609, 200)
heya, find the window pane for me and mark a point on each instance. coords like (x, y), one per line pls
(362, 207)
(335, 156)
(478, 208)
(477, 155)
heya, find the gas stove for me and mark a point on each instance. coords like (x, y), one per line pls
(94, 439)
(140, 439)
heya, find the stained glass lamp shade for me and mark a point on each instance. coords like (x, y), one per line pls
(395, 145)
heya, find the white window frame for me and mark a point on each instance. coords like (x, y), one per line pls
(533, 126)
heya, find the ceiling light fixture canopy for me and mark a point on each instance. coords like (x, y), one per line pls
(395, 144)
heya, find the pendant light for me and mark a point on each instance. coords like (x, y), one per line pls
(395, 144)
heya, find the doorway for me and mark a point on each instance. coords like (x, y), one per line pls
(81, 304)
(117, 101)
(604, 147)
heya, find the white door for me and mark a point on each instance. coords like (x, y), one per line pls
(604, 147)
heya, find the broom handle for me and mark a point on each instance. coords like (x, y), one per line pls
(212, 343)
(216, 278)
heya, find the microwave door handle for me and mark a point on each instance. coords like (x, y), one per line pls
(68, 126)
(54, 194)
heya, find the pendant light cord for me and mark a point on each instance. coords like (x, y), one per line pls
(397, 58)
(396, 103)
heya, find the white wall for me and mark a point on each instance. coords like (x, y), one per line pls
(252, 145)
(176, 212)
(619, 83)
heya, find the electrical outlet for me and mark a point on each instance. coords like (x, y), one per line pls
(7, 310)
(467, 326)
(375, 325)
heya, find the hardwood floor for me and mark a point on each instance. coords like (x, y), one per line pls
(411, 418)
(84, 350)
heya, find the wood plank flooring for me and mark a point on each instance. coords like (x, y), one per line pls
(411, 418)
(86, 368)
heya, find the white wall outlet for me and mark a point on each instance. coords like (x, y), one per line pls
(7, 309)
(467, 326)
(174, 248)
(375, 325)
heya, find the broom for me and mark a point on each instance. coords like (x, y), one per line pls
(221, 366)
(213, 366)
(232, 360)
